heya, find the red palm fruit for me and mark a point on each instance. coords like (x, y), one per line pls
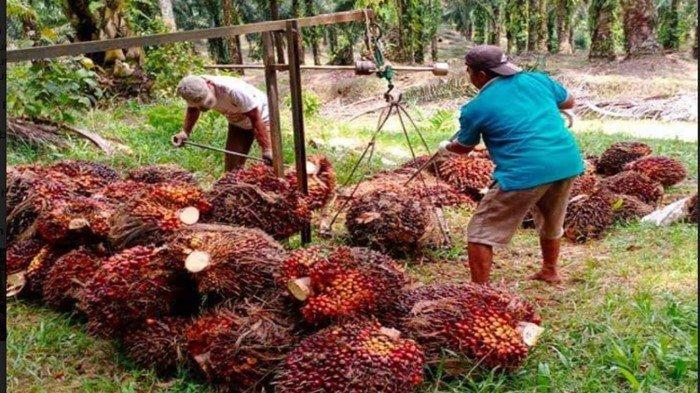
(255, 198)
(19, 182)
(420, 161)
(161, 173)
(392, 222)
(587, 217)
(118, 191)
(35, 274)
(627, 208)
(41, 197)
(613, 159)
(21, 253)
(130, 286)
(355, 357)
(691, 208)
(241, 344)
(490, 337)
(231, 262)
(87, 176)
(458, 318)
(341, 282)
(320, 179)
(157, 343)
(68, 276)
(76, 220)
(470, 175)
(585, 184)
(664, 170)
(155, 213)
(635, 184)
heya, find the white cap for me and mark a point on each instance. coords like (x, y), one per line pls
(194, 89)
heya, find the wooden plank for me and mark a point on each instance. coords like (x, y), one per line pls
(293, 52)
(283, 67)
(273, 102)
(78, 48)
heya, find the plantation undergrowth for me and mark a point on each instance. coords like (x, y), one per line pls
(625, 318)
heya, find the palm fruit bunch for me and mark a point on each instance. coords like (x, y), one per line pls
(392, 222)
(241, 344)
(254, 197)
(470, 175)
(320, 179)
(19, 182)
(67, 277)
(157, 343)
(75, 220)
(20, 254)
(627, 208)
(118, 191)
(591, 165)
(156, 212)
(664, 170)
(584, 184)
(614, 159)
(162, 173)
(130, 286)
(32, 279)
(477, 321)
(588, 217)
(355, 357)
(635, 184)
(86, 176)
(691, 208)
(341, 282)
(229, 262)
(40, 197)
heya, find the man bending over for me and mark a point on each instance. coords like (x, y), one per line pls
(517, 115)
(244, 106)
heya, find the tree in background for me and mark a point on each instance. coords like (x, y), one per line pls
(638, 25)
(167, 13)
(516, 21)
(601, 20)
(231, 17)
(565, 14)
(541, 27)
(311, 34)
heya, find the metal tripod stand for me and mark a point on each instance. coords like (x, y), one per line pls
(396, 106)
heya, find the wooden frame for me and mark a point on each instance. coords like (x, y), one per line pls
(290, 27)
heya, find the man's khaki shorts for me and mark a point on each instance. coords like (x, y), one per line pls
(500, 213)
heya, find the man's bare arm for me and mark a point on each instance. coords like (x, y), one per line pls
(458, 148)
(191, 117)
(260, 130)
(569, 103)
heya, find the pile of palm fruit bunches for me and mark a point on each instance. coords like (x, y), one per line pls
(187, 279)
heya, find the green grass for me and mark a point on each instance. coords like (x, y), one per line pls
(625, 318)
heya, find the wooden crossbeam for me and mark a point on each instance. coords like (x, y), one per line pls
(78, 48)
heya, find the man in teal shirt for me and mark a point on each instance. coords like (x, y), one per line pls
(516, 113)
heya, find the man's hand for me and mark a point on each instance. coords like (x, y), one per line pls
(451, 147)
(267, 156)
(442, 147)
(179, 139)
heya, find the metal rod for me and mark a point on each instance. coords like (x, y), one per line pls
(233, 153)
(78, 48)
(284, 67)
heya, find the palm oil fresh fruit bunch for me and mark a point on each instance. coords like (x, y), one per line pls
(340, 282)
(355, 357)
(480, 322)
(228, 262)
(320, 180)
(255, 198)
(392, 222)
(664, 170)
(242, 343)
(614, 159)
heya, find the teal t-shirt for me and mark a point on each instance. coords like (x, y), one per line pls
(519, 120)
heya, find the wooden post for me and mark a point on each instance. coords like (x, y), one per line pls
(273, 103)
(293, 53)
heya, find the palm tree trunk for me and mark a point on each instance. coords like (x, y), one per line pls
(296, 13)
(602, 18)
(434, 48)
(565, 12)
(541, 40)
(279, 39)
(533, 6)
(638, 25)
(167, 13)
(495, 31)
(399, 21)
(313, 33)
(233, 44)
